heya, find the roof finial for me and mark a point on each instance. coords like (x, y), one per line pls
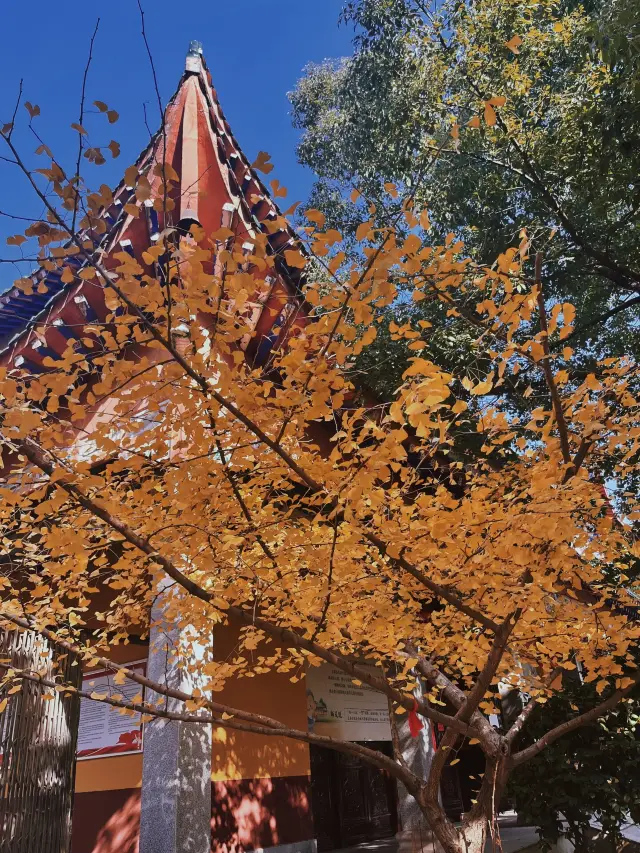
(194, 57)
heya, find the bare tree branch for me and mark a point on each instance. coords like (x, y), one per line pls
(37, 457)
(526, 712)
(546, 366)
(370, 755)
(12, 123)
(76, 200)
(596, 321)
(163, 131)
(477, 692)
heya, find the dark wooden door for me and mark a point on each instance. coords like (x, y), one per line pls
(451, 792)
(352, 801)
(324, 800)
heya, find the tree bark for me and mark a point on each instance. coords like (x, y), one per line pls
(440, 825)
(38, 738)
(473, 834)
(470, 837)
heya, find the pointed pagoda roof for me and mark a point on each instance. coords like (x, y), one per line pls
(213, 184)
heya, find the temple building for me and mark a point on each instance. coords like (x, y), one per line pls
(160, 787)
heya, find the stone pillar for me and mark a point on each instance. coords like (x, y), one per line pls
(175, 814)
(414, 834)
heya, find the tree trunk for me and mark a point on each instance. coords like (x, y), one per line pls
(469, 838)
(442, 828)
(473, 834)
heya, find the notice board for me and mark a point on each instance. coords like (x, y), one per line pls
(338, 707)
(103, 730)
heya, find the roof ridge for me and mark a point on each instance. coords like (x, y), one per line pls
(21, 311)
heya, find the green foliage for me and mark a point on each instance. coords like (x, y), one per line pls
(561, 160)
(618, 34)
(590, 774)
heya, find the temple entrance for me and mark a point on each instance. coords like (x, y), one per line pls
(352, 801)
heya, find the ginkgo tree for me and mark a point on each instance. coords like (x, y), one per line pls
(331, 527)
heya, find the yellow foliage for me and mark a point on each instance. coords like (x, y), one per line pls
(283, 498)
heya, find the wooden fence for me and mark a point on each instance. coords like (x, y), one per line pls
(38, 739)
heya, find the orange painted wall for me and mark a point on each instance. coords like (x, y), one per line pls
(236, 755)
(240, 755)
(109, 774)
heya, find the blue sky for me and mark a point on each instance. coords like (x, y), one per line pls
(255, 49)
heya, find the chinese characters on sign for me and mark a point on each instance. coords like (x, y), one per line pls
(103, 729)
(338, 707)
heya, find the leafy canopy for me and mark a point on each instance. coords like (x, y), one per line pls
(151, 453)
(278, 491)
(533, 109)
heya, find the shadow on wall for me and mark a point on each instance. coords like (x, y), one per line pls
(106, 822)
(252, 813)
(246, 814)
(260, 785)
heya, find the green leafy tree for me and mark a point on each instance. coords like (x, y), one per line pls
(590, 775)
(502, 117)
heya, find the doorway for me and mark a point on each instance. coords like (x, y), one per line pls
(352, 801)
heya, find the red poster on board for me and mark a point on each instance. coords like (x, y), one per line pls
(103, 729)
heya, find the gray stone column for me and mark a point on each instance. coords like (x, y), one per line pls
(414, 834)
(175, 814)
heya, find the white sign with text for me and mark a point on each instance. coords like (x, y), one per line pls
(339, 708)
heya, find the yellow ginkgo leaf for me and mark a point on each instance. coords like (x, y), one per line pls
(514, 44)
(315, 216)
(362, 231)
(294, 258)
(482, 387)
(262, 164)
(489, 114)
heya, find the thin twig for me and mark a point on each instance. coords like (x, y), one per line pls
(22, 218)
(546, 366)
(163, 130)
(80, 133)
(15, 110)
(622, 306)
(327, 600)
(146, 121)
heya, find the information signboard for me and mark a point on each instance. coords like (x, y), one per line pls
(338, 707)
(103, 729)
